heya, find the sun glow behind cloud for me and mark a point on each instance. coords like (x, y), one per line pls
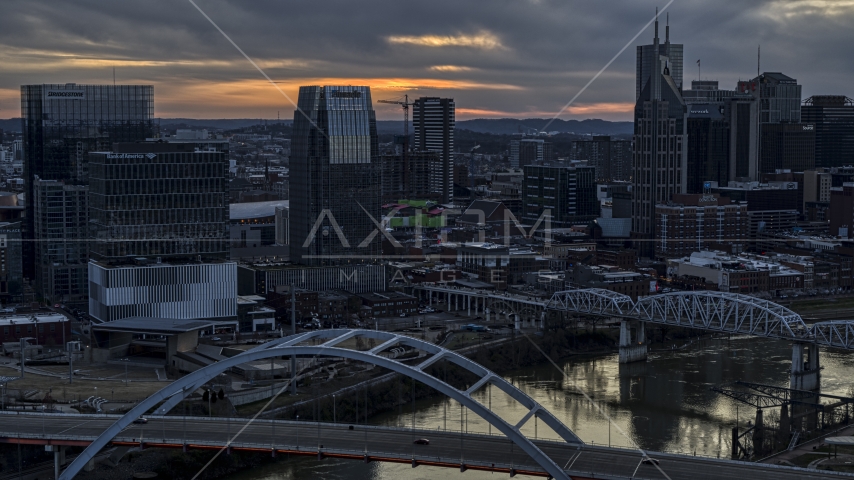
(793, 8)
(482, 40)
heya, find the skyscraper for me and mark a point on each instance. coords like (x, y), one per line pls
(833, 117)
(708, 146)
(434, 120)
(780, 130)
(568, 193)
(669, 54)
(158, 200)
(611, 157)
(712, 113)
(335, 177)
(60, 227)
(61, 124)
(660, 136)
(159, 220)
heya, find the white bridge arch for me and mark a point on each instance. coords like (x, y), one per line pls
(172, 394)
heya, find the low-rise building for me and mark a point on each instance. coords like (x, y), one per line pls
(744, 273)
(51, 329)
(389, 304)
(632, 284)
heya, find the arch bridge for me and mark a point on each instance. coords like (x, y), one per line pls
(341, 344)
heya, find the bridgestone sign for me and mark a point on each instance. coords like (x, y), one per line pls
(65, 94)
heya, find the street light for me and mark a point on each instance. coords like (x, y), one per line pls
(297, 432)
(334, 414)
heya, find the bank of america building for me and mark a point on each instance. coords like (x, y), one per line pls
(159, 230)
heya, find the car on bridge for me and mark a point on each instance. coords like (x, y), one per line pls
(422, 441)
(141, 420)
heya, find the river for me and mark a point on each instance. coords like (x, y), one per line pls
(664, 404)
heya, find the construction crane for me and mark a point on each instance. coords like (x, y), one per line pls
(405, 104)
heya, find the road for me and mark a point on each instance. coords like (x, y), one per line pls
(450, 448)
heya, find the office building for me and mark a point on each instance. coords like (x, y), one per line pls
(648, 61)
(833, 117)
(612, 158)
(261, 278)
(60, 227)
(842, 211)
(779, 95)
(708, 146)
(530, 151)
(568, 194)
(718, 120)
(660, 153)
(787, 146)
(697, 222)
(61, 125)
(11, 269)
(817, 184)
(159, 223)
(158, 200)
(334, 177)
(433, 119)
(784, 141)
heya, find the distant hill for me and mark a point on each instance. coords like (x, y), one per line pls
(580, 127)
(499, 126)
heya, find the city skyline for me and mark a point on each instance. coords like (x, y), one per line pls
(519, 59)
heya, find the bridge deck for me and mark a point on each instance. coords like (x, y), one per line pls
(448, 449)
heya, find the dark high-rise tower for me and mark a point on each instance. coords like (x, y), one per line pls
(833, 117)
(334, 177)
(668, 53)
(434, 119)
(61, 124)
(660, 136)
(782, 139)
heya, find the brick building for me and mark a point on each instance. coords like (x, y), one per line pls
(695, 222)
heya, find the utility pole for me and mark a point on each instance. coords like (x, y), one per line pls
(24, 345)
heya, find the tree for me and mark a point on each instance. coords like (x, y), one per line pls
(206, 396)
(221, 394)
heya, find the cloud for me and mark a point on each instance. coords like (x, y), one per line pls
(483, 40)
(514, 58)
(450, 68)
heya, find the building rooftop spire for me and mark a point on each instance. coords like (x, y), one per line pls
(667, 30)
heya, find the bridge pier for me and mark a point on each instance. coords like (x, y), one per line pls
(58, 457)
(633, 348)
(806, 373)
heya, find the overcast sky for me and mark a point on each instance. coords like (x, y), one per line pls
(496, 58)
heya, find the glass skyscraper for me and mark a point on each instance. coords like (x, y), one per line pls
(334, 177)
(158, 200)
(61, 124)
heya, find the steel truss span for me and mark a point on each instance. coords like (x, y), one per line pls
(327, 343)
(714, 311)
(592, 301)
(721, 311)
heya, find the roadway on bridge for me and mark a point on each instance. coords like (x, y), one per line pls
(444, 446)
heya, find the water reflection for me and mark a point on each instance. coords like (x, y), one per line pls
(663, 404)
